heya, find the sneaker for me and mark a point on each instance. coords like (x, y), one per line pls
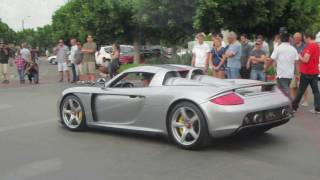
(313, 111)
(305, 104)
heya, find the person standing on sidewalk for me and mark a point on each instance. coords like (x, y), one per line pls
(256, 62)
(89, 65)
(216, 59)
(78, 60)
(74, 68)
(62, 52)
(4, 61)
(233, 57)
(309, 61)
(201, 53)
(115, 60)
(245, 54)
(285, 58)
(299, 45)
(20, 64)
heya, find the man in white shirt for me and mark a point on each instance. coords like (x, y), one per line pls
(286, 59)
(74, 67)
(200, 53)
(25, 52)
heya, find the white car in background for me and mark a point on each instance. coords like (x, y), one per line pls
(53, 59)
(104, 54)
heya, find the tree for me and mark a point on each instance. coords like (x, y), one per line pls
(252, 17)
(6, 33)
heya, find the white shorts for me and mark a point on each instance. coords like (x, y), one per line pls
(63, 67)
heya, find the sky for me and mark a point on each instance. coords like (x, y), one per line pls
(35, 13)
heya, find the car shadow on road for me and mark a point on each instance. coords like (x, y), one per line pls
(244, 142)
(233, 143)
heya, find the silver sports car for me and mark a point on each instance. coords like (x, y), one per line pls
(177, 101)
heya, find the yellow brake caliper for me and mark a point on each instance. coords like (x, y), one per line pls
(79, 115)
(181, 120)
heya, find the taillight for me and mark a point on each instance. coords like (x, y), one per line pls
(228, 100)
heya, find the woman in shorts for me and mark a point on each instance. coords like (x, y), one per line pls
(217, 60)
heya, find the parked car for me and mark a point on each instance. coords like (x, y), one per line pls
(53, 59)
(126, 54)
(157, 100)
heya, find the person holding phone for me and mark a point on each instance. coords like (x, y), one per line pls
(4, 61)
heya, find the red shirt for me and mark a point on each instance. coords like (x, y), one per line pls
(311, 67)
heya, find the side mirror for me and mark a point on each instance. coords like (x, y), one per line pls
(101, 82)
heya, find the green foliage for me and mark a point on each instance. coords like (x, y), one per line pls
(128, 66)
(107, 20)
(6, 33)
(253, 17)
(271, 71)
(167, 22)
(171, 22)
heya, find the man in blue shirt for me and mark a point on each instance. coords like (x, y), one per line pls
(233, 57)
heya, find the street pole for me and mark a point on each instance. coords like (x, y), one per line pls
(22, 21)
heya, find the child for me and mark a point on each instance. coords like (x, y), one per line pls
(20, 64)
(32, 70)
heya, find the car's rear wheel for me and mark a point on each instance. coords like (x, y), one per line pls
(72, 113)
(187, 126)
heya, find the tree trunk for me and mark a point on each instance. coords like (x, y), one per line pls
(136, 46)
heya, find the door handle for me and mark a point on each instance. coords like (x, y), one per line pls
(133, 96)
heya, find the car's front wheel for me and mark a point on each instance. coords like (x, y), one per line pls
(187, 126)
(72, 113)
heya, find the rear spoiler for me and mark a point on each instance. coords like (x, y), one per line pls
(266, 86)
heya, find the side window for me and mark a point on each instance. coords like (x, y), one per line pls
(133, 80)
(196, 73)
(169, 75)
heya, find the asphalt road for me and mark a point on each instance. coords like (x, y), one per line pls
(33, 146)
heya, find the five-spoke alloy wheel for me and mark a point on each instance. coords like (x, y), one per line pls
(187, 126)
(72, 113)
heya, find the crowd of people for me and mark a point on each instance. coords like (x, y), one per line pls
(295, 60)
(81, 59)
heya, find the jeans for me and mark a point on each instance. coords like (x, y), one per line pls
(35, 77)
(74, 72)
(113, 67)
(284, 84)
(257, 75)
(21, 74)
(245, 73)
(305, 80)
(233, 73)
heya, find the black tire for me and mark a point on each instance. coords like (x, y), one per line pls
(203, 136)
(82, 125)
